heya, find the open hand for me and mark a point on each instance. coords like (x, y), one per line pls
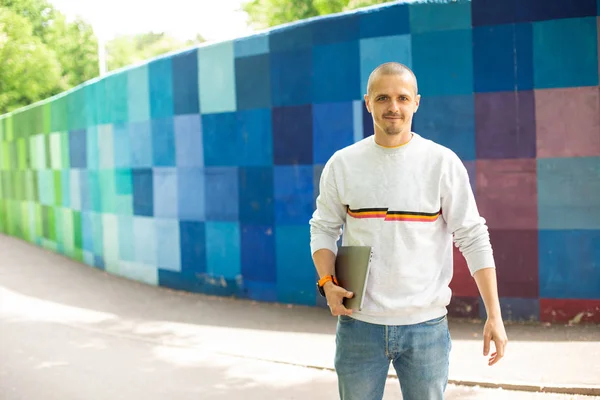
(335, 296)
(494, 331)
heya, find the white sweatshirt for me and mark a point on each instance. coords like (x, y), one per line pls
(408, 203)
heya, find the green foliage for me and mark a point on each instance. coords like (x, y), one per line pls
(268, 13)
(131, 49)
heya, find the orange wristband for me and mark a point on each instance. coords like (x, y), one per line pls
(326, 279)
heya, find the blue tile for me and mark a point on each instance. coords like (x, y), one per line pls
(376, 51)
(99, 262)
(168, 245)
(163, 142)
(222, 198)
(295, 277)
(165, 192)
(94, 191)
(185, 82)
(336, 72)
(253, 81)
(116, 97)
(256, 137)
(122, 146)
(519, 309)
(78, 148)
(160, 87)
(332, 129)
(449, 121)
(443, 62)
(192, 236)
(533, 10)
(220, 139)
(190, 194)
(198, 283)
(291, 74)
(255, 187)
(292, 135)
(140, 139)
(568, 193)
(493, 12)
(337, 28)
(92, 152)
(189, 150)
(297, 36)
(87, 231)
(223, 250)
(252, 45)
(557, 62)
(261, 291)
(142, 192)
(144, 238)
(86, 201)
(293, 194)
(426, 17)
(493, 58)
(357, 119)
(569, 264)
(524, 56)
(126, 243)
(385, 21)
(368, 129)
(258, 253)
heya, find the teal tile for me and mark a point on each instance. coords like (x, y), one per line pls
(117, 96)
(144, 233)
(91, 101)
(106, 146)
(147, 274)
(138, 94)
(123, 181)
(217, 78)
(97, 232)
(379, 50)
(77, 109)
(75, 183)
(168, 244)
(126, 243)
(223, 250)
(110, 239)
(426, 17)
(565, 53)
(65, 179)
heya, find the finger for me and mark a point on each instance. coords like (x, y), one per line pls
(348, 294)
(486, 345)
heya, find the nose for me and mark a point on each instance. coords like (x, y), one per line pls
(395, 106)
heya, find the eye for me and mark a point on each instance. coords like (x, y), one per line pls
(381, 98)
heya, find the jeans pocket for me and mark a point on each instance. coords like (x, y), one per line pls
(346, 319)
(436, 321)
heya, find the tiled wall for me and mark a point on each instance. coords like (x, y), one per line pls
(199, 171)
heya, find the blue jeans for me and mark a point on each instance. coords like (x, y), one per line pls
(420, 355)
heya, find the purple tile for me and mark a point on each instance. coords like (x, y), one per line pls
(471, 170)
(507, 193)
(505, 125)
(464, 307)
(568, 122)
(516, 256)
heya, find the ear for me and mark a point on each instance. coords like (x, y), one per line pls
(417, 102)
(368, 103)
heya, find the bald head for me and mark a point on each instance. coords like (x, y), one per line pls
(391, 68)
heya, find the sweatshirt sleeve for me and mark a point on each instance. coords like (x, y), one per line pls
(330, 214)
(460, 212)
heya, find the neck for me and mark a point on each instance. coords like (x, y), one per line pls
(385, 140)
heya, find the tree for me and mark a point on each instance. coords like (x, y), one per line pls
(268, 13)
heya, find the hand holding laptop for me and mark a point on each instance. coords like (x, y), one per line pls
(335, 298)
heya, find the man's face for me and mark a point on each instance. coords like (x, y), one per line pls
(392, 101)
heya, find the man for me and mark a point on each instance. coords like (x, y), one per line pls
(409, 199)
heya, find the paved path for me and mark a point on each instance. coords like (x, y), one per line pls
(68, 331)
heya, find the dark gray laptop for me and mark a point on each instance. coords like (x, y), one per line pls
(352, 266)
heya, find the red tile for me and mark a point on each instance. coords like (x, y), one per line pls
(565, 310)
(462, 284)
(507, 193)
(568, 122)
(464, 307)
(516, 257)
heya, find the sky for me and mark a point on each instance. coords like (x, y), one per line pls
(215, 20)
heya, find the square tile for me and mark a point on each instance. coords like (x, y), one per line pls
(568, 193)
(185, 82)
(531, 10)
(357, 120)
(140, 139)
(222, 198)
(516, 257)
(557, 63)
(335, 29)
(295, 277)
(116, 97)
(251, 45)
(336, 72)
(462, 284)
(160, 88)
(76, 109)
(386, 20)
(256, 202)
(293, 194)
(368, 129)
(258, 253)
(220, 139)
(492, 12)
(291, 37)
(569, 264)
(517, 309)
(191, 194)
(568, 122)
(449, 121)
(110, 238)
(464, 307)
(565, 310)
(217, 78)
(505, 125)
(443, 62)
(253, 81)
(93, 159)
(426, 17)
(255, 136)
(332, 129)
(106, 148)
(192, 236)
(91, 101)
(126, 238)
(503, 57)
(168, 245)
(291, 74)
(507, 193)
(163, 142)
(261, 291)
(76, 190)
(138, 94)
(164, 185)
(189, 148)
(93, 188)
(144, 273)
(143, 193)
(121, 146)
(292, 135)
(78, 148)
(223, 250)
(379, 50)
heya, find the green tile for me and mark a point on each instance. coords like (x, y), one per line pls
(103, 108)
(46, 115)
(77, 236)
(58, 109)
(107, 190)
(58, 226)
(68, 232)
(64, 150)
(8, 133)
(2, 122)
(57, 188)
(39, 221)
(22, 159)
(138, 94)
(77, 109)
(38, 122)
(55, 151)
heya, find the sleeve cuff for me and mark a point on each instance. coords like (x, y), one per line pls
(480, 260)
(319, 242)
